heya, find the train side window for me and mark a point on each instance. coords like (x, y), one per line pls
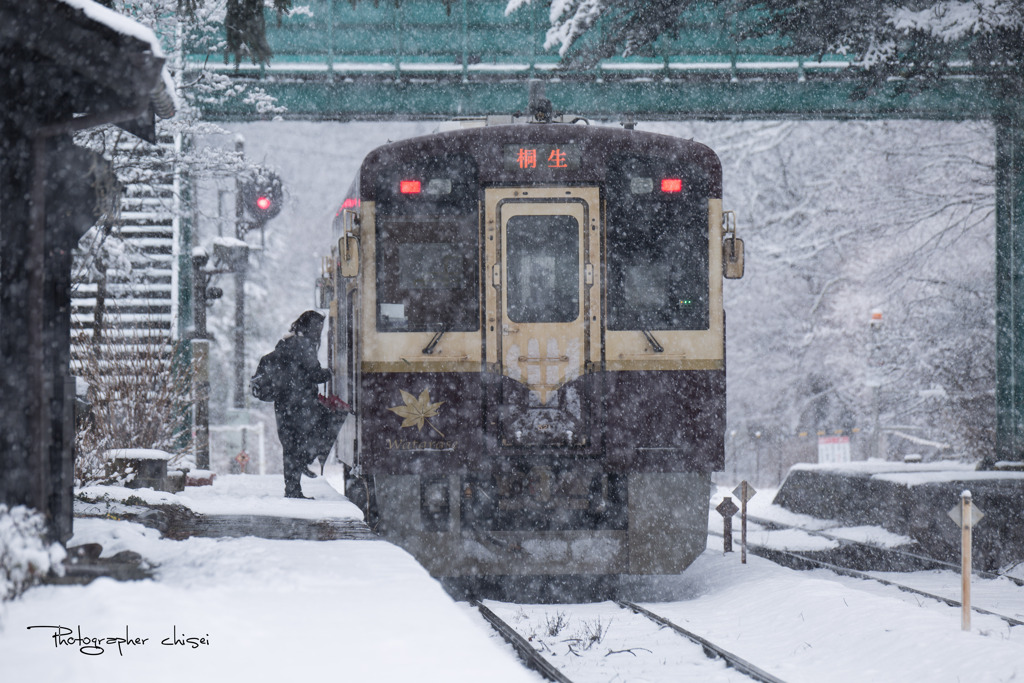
(543, 269)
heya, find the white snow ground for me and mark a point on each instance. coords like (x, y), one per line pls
(365, 611)
(269, 610)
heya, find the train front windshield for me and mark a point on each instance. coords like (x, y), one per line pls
(543, 263)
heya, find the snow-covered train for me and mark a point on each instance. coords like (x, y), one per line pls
(527, 319)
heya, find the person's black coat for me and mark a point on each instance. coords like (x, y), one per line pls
(297, 408)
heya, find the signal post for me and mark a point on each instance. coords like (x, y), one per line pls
(259, 195)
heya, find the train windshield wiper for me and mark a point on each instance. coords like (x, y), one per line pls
(429, 348)
(658, 348)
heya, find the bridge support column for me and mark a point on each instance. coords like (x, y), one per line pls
(1009, 290)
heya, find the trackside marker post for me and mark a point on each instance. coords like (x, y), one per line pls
(744, 492)
(967, 516)
(727, 509)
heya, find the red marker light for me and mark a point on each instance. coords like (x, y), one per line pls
(350, 203)
(671, 184)
(263, 203)
(409, 186)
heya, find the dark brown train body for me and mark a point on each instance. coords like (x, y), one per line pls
(528, 320)
(660, 421)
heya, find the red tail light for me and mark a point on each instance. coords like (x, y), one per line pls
(409, 186)
(671, 184)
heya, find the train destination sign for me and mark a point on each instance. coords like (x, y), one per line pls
(528, 157)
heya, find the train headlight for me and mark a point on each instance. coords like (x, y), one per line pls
(641, 185)
(438, 186)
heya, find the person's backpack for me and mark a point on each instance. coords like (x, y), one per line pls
(268, 382)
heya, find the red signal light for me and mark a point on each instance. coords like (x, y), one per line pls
(409, 186)
(350, 203)
(263, 203)
(671, 184)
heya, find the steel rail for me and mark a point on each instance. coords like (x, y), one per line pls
(712, 650)
(530, 657)
(877, 548)
(797, 561)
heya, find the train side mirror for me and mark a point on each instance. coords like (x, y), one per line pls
(348, 246)
(732, 258)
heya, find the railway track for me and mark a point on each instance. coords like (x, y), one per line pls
(631, 641)
(534, 658)
(531, 657)
(795, 560)
(711, 649)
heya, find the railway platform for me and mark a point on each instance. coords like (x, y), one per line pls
(234, 582)
(235, 505)
(913, 499)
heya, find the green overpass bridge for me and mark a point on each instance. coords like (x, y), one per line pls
(415, 59)
(339, 60)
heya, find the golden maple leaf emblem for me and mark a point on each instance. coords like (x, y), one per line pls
(416, 411)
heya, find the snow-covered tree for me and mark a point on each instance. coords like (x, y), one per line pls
(840, 219)
(627, 26)
(915, 41)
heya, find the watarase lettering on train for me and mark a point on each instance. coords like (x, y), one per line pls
(403, 445)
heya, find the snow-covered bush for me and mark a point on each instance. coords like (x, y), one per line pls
(25, 555)
(140, 393)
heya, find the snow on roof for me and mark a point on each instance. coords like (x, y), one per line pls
(874, 467)
(164, 96)
(937, 477)
(913, 473)
(118, 22)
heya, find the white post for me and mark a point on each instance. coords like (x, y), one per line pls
(743, 523)
(965, 564)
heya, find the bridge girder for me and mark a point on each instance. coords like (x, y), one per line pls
(343, 97)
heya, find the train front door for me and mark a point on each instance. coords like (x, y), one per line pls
(543, 313)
